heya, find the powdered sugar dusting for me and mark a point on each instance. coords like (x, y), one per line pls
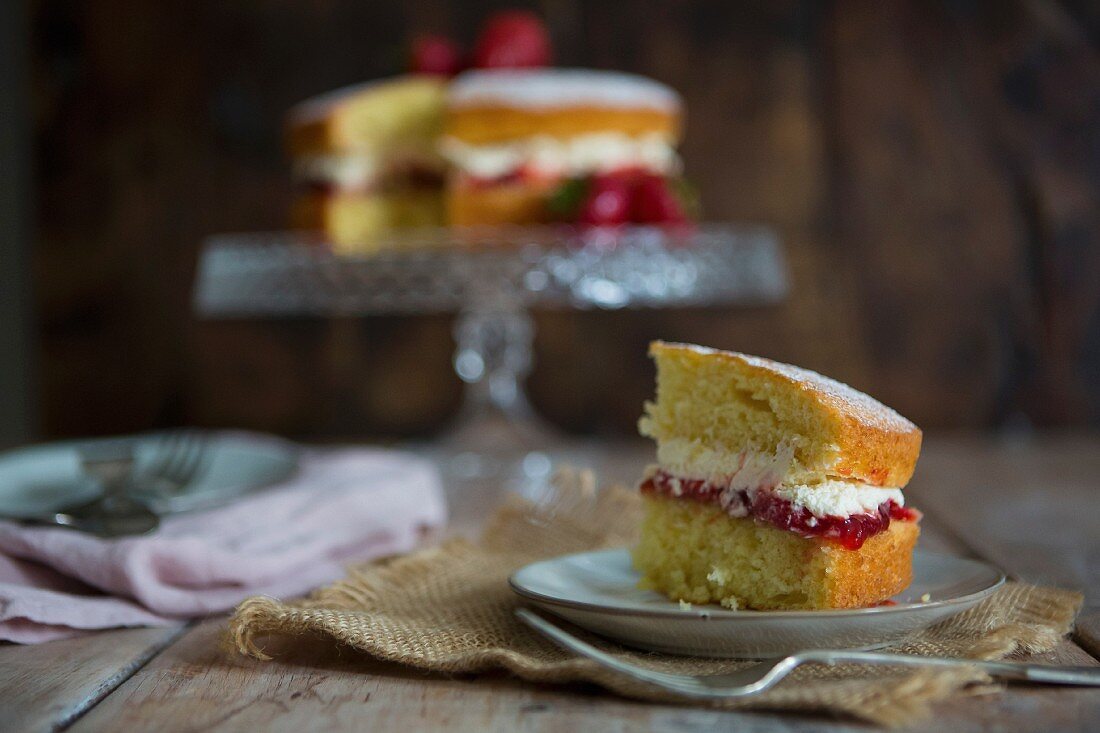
(543, 88)
(860, 406)
(322, 105)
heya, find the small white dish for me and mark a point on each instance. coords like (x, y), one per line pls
(41, 479)
(599, 591)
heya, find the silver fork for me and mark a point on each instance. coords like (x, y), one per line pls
(114, 513)
(180, 461)
(760, 677)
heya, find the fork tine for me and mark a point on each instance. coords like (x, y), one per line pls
(165, 449)
(193, 461)
(179, 462)
(182, 458)
(192, 469)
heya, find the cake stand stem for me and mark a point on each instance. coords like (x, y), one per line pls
(497, 433)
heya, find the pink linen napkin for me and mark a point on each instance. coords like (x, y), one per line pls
(342, 506)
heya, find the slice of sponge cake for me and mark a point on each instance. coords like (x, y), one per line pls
(366, 160)
(775, 487)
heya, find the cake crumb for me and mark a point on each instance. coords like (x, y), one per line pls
(926, 598)
(730, 603)
(684, 605)
(717, 575)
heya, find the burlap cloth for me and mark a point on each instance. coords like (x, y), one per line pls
(449, 609)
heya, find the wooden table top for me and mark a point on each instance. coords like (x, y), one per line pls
(1027, 505)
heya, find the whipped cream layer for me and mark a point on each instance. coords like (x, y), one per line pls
(826, 498)
(845, 512)
(739, 470)
(835, 498)
(549, 156)
(362, 170)
(342, 171)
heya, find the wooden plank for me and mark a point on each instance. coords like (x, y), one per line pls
(929, 222)
(756, 149)
(1020, 707)
(1033, 73)
(283, 375)
(1026, 707)
(1087, 633)
(18, 347)
(1029, 509)
(47, 686)
(195, 685)
(1025, 504)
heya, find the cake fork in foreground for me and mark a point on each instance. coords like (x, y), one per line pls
(760, 677)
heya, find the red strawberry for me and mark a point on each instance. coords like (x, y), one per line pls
(655, 203)
(607, 202)
(433, 53)
(512, 39)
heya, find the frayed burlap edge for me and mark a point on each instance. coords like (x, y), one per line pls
(448, 609)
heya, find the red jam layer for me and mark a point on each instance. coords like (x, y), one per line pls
(409, 176)
(764, 506)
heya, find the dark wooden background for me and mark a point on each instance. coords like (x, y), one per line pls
(933, 169)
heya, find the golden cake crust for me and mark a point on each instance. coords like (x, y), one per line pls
(369, 115)
(875, 444)
(485, 125)
(356, 222)
(876, 571)
(492, 205)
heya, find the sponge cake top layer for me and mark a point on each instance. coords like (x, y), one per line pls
(718, 410)
(402, 112)
(488, 107)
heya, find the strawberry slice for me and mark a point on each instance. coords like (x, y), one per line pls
(434, 53)
(512, 39)
(655, 203)
(607, 203)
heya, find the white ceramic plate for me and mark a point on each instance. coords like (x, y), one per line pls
(599, 591)
(44, 478)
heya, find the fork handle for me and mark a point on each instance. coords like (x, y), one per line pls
(1042, 673)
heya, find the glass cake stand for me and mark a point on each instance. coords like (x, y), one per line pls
(490, 279)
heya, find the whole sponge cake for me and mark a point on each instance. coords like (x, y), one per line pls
(775, 487)
(490, 147)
